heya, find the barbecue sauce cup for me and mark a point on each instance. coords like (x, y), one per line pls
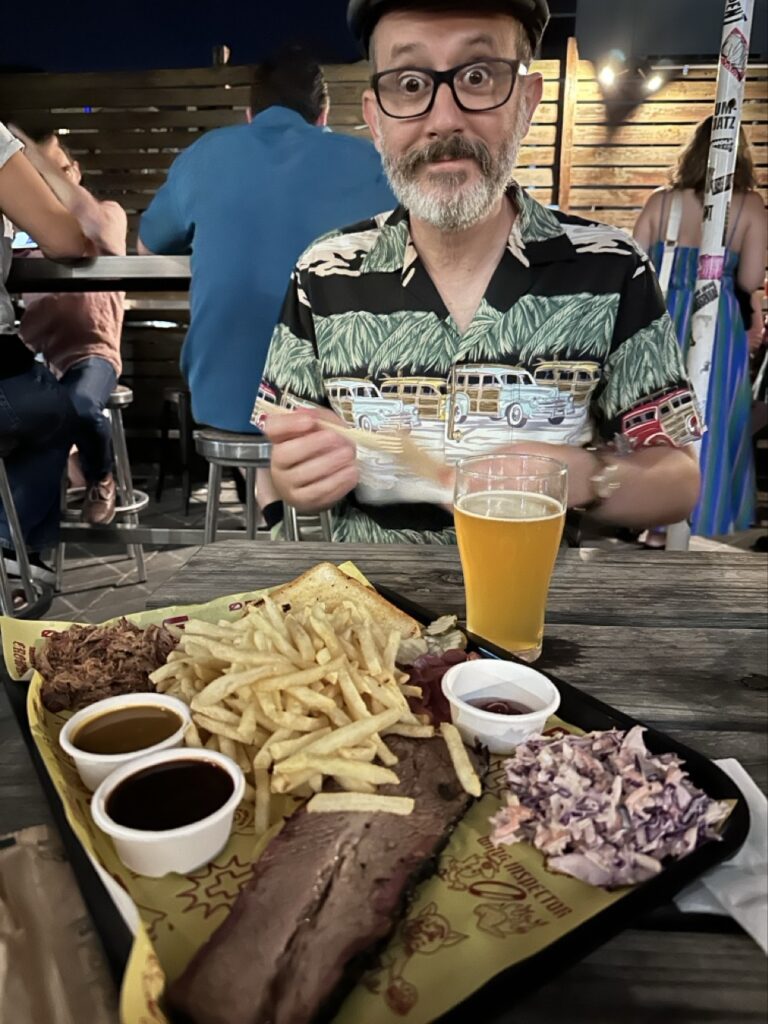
(171, 811)
(113, 732)
(499, 703)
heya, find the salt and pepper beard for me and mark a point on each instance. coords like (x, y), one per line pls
(443, 199)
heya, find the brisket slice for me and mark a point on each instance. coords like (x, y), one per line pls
(325, 895)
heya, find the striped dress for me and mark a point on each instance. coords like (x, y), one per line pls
(727, 501)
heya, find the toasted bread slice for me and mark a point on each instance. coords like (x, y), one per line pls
(326, 583)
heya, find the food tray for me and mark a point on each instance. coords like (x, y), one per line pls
(578, 709)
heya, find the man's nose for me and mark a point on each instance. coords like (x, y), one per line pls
(445, 117)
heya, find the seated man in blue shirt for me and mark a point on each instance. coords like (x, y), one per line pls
(245, 201)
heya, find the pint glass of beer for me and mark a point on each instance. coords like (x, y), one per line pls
(509, 512)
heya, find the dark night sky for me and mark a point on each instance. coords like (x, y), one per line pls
(96, 35)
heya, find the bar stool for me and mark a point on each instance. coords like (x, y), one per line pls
(132, 501)
(249, 452)
(236, 451)
(37, 596)
(177, 401)
(294, 523)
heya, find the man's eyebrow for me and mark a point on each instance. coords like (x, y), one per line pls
(404, 50)
(408, 49)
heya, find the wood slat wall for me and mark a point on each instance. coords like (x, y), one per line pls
(614, 168)
(137, 123)
(127, 128)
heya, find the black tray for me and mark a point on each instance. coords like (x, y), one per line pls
(577, 708)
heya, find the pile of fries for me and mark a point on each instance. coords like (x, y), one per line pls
(298, 696)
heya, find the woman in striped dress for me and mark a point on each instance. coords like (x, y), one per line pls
(727, 500)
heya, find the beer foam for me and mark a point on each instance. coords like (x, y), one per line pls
(506, 505)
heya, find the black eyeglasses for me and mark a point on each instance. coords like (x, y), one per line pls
(479, 85)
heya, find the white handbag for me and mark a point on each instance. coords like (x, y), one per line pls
(670, 241)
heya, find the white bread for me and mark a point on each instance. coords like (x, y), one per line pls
(326, 583)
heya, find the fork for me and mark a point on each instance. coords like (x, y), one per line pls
(397, 444)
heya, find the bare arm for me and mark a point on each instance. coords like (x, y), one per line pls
(29, 203)
(647, 228)
(96, 220)
(659, 485)
(142, 250)
(752, 256)
(757, 327)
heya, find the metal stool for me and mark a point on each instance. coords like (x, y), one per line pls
(239, 451)
(178, 401)
(293, 522)
(132, 501)
(37, 597)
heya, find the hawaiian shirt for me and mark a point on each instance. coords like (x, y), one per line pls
(571, 344)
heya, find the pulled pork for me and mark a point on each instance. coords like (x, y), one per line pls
(602, 808)
(84, 664)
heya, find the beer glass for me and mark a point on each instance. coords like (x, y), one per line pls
(509, 512)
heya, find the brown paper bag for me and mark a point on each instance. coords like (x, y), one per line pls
(52, 968)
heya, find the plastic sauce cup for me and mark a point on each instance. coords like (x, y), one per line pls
(94, 768)
(491, 678)
(184, 849)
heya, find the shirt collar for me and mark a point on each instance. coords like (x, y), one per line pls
(279, 117)
(537, 237)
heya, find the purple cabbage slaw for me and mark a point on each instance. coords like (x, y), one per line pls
(602, 808)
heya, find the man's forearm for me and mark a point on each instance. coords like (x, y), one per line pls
(78, 200)
(659, 486)
(74, 198)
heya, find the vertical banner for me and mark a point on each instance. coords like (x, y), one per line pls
(721, 164)
(732, 70)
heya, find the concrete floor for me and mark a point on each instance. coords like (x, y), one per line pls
(100, 580)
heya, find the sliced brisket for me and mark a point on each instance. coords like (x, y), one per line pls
(329, 889)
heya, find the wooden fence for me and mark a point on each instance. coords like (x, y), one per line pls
(126, 129)
(607, 172)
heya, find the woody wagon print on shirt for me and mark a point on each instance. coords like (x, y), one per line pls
(570, 340)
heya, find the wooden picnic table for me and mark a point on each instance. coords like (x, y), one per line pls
(678, 640)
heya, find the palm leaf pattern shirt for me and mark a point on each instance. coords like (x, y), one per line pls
(571, 343)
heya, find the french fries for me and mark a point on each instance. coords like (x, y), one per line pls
(301, 696)
(465, 773)
(335, 802)
(295, 698)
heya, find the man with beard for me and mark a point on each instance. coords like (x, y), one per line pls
(472, 316)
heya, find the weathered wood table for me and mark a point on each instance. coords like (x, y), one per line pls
(678, 640)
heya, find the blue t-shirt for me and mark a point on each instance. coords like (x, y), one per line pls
(246, 201)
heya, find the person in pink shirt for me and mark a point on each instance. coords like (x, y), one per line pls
(78, 334)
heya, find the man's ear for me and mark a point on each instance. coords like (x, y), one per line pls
(322, 121)
(371, 116)
(533, 90)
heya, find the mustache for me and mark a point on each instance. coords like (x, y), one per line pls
(455, 148)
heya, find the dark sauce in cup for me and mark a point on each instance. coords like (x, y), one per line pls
(500, 706)
(170, 795)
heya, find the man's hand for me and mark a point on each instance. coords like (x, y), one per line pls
(311, 468)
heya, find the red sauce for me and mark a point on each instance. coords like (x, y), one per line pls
(500, 706)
